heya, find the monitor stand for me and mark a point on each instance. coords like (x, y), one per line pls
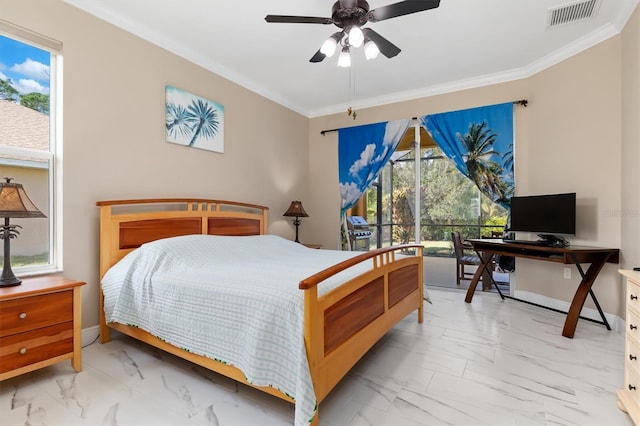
(553, 240)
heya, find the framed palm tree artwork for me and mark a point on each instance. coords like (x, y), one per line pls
(193, 121)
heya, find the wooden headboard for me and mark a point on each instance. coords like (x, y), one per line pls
(127, 224)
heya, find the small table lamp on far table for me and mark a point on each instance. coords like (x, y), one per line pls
(296, 210)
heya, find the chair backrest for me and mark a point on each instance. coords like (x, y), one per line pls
(457, 244)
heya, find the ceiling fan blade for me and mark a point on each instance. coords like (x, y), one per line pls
(401, 8)
(297, 19)
(387, 48)
(318, 57)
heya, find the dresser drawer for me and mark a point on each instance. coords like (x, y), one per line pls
(30, 347)
(632, 386)
(29, 313)
(633, 296)
(633, 325)
(632, 356)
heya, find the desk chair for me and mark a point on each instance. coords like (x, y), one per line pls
(463, 259)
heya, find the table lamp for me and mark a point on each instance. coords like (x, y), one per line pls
(15, 203)
(296, 210)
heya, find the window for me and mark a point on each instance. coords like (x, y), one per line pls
(30, 67)
(448, 202)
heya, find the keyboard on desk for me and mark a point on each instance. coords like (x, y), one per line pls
(529, 242)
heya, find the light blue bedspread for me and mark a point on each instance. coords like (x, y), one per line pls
(232, 299)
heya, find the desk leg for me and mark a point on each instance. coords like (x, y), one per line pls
(486, 260)
(487, 277)
(581, 295)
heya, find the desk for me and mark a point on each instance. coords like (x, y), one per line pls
(572, 255)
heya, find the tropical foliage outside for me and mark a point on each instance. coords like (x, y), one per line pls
(449, 201)
(34, 100)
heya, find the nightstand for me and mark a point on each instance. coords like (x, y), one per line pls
(40, 325)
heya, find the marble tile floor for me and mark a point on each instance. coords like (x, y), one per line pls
(491, 362)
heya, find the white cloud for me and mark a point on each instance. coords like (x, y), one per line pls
(394, 130)
(35, 70)
(349, 193)
(365, 159)
(382, 154)
(29, 86)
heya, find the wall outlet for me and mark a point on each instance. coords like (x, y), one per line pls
(567, 273)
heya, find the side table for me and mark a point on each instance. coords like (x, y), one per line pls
(40, 325)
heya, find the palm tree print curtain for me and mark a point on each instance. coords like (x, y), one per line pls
(362, 153)
(480, 143)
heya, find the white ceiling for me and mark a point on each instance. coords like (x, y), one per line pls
(459, 45)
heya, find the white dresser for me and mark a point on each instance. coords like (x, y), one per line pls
(629, 395)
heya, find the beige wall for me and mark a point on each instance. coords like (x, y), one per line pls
(568, 139)
(630, 205)
(574, 144)
(114, 139)
(581, 120)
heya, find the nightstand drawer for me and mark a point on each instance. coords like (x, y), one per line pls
(30, 347)
(29, 313)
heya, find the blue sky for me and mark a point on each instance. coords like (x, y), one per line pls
(25, 65)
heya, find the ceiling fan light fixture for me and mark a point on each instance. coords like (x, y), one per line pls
(329, 47)
(356, 36)
(352, 17)
(371, 50)
(344, 60)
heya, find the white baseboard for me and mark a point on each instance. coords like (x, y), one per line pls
(617, 324)
(90, 335)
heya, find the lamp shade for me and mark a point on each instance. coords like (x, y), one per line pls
(371, 50)
(329, 46)
(14, 201)
(344, 60)
(296, 210)
(356, 36)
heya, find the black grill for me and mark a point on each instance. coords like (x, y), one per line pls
(359, 233)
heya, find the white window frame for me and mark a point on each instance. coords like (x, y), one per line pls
(54, 155)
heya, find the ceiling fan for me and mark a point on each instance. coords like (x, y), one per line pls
(351, 16)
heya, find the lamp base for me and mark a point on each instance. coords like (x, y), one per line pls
(8, 279)
(9, 282)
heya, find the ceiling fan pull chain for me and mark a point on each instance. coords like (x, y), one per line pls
(352, 92)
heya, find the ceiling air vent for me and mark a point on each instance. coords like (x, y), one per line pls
(572, 12)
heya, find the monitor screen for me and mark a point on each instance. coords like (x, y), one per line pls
(544, 214)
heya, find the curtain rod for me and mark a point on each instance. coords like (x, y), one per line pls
(522, 102)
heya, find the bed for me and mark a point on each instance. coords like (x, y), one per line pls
(339, 306)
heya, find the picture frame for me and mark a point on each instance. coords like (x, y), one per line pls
(193, 121)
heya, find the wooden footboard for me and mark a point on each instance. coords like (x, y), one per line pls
(340, 326)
